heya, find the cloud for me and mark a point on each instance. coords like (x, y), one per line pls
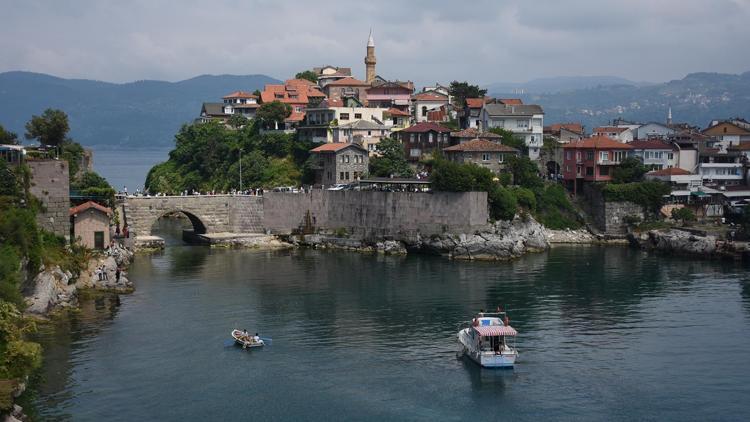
(426, 41)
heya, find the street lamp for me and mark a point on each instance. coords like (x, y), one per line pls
(240, 171)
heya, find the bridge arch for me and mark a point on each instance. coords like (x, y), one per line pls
(199, 227)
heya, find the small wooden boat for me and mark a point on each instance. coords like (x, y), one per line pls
(246, 340)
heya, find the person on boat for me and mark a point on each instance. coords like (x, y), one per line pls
(245, 335)
(256, 339)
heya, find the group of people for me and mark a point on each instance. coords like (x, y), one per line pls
(103, 275)
(247, 337)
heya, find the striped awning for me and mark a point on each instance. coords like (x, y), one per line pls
(495, 330)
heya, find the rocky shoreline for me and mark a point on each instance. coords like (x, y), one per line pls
(54, 289)
(689, 243)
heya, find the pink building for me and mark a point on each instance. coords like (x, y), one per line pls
(592, 159)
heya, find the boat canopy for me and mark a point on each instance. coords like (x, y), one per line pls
(495, 330)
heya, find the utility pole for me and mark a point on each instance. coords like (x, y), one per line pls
(240, 170)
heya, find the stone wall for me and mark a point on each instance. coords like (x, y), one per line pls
(51, 185)
(609, 217)
(374, 214)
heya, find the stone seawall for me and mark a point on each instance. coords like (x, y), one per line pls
(51, 185)
(374, 214)
(608, 216)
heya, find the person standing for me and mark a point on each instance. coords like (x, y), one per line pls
(117, 275)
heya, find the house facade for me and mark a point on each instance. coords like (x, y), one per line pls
(390, 94)
(422, 139)
(654, 130)
(564, 132)
(722, 167)
(347, 88)
(328, 74)
(425, 102)
(484, 153)
(727, 134)
(339, 163)
(655, 154)
(320, 121)
(362, 132)
(89, 224)
(471, 116)
(622, 134)
(592, 159)
(525, 121)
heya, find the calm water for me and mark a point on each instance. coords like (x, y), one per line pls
(605, 334)
(127, 167)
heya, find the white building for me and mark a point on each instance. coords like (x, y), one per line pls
(425, 102)
(525, 121)
(653, 130)
(618, 133)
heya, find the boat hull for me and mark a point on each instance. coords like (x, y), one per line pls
(238, 339)
(504, 359)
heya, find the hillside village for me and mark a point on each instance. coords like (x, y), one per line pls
(706, 168)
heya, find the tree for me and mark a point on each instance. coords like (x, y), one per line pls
(307, 74)
(7, 137)
(391, 160)
(460, 91)
(629, 170)
(510, 139)
(275, 112)
(50, 128)
(683, 214)
(237, 121)
(525, 172)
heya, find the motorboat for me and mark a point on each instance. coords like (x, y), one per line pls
(486, 340)
(246, 340)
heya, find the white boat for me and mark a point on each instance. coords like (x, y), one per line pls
(486, 341)
(246, 340)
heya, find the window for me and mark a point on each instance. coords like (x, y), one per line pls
(346, 159)
(603, 156)
(604, 171)
(568, 155)
(371, 147)
(415, 152)
(589, 171)
(578, 155)
(522, 123)
(424, 111)
(502, 158)
(430, 137)
(589, 155)
(369, 133)
(329, 175)
(618, 156)
(670, 156)
(346, 176)
(341, 175)
(355, 175)
(485, 157)
(357, 115)
(411, 138)
(98, 240)
(344, 116)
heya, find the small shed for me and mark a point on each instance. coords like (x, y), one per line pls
(89, 223)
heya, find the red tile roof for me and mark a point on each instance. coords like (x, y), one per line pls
(674, 171)
(510, 101)
(426, 127)
(430, 96)
(653, 144)
(480, 145)
(573, 127)
(301, 88)
(337, 146)
(296, 116)
(90, 204)
(607, 129)
(475, 102)
(240, 94)
(597, 142)
(348, 82)
(396, 112)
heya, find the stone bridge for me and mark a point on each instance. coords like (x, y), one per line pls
(208, 214)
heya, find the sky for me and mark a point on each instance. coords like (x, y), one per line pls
(481, 41)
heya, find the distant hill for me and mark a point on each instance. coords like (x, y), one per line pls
(134, 114)
(558, 84)
(695, 99)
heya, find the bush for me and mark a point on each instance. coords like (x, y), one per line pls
(683, 214)
(525, 198)
(649, 195)
(502, 203)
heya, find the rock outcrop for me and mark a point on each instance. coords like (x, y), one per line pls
(52, 289)
(570, 236)
(688, 243)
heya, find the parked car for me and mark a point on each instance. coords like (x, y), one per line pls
(338, 187)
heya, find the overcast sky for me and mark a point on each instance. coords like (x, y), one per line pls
(425, 41)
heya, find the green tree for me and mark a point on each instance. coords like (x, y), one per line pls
(629, 170)
(307, 74)
(7, 137)
(510, 139)
(51, 128)
(460, 91)
(274, 113)
(525, 172)
(391, 160)
(237, 121)
(683, 214)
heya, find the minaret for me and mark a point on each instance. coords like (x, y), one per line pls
(669, 116)
(370, 60)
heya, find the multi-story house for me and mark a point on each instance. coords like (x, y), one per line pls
(424, 102)
(298, 93)
(328, 74)
(467, 135)
(362, 132)
(390, 94)
(320, 120)
(655, 154)
(471, 115)
(592, 159)
(653, 130)
(347, 88)
(422, 139)
(525, 121)
(679, 180)
(339, 163)
(242, 103)
(622, 134)
(396, 119)
(721, 166)
(727, 133)
(484, 153)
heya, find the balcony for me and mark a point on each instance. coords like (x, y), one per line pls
(607, 162)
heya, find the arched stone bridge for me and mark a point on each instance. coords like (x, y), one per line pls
(208, 214)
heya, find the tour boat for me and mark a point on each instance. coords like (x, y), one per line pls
(246, 341)
(486, 340)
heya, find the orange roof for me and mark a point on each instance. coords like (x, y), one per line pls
(654, 144)
(607, 129)
(240, 94)
(430, 96)
(296, 116)
(396, 112)
(597, 142)
(674, 171)
(294, 91)
(510, 101)
(337, 146)
(90, 204)
(298, 82)
(480, 145)
(348, 82)
(573, 127)
(475, 102)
